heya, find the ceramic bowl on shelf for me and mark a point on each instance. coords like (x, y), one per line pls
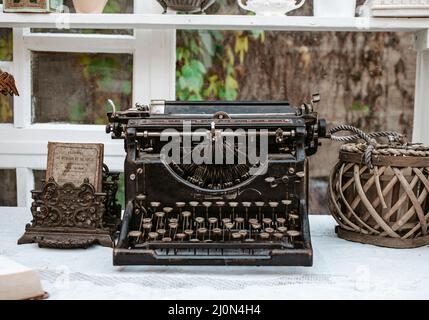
(270, 7)
(188, 6)
(93, 6)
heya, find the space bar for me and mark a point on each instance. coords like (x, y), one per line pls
(192, 257)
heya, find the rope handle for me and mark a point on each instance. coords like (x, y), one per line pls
(370, 139)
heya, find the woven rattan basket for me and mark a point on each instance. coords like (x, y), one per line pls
(385, 201)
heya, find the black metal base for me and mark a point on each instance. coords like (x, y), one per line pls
(288, 257)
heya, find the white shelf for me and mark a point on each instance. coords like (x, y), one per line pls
(220, 22)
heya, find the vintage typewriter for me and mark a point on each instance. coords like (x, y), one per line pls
(238, 210)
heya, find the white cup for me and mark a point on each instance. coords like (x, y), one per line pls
(270, 7)
(334, 8)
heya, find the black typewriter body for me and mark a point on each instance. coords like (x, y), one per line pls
(240, 213)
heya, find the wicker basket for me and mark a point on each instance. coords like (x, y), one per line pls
(385, 203)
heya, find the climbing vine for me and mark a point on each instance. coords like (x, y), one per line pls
(208, 63)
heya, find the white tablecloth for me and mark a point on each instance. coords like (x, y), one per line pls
(342, 269)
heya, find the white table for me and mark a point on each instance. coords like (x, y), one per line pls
(341, 269)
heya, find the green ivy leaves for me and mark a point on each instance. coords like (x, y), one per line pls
(208, 63)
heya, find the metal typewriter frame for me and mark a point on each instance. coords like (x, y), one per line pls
(128, 126)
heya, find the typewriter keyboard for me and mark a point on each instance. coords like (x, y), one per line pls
(218, 222)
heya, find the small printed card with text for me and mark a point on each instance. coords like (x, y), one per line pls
(74, 162)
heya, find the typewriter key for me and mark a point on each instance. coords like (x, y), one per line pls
(147, 220)
(159, 219)
(293, 234)
(293, 218)
(146, 229)
(173, 220)
(134, 234)
(220, 204)
(202, 231)
(273, 206)
(240, 222)
(267, 221)
(194, 205)
(167, 210)
(186, 215)
(269, 230)
(166, 239)
(243, 233)
(286, 203)
(246, 206)
(278, 236)
(199, 221)
(264, 236)
(282, 229)
(180, 236)
(226, 220)
(180, 204)
(207, 205)
(155, 204)
(189, 232)
(147, 226)
(161, 231)
(213, 220)
(253, 221)
(256, 226)
(228, 227)
(236, 236)
(259, 205)
(153, 235)
(233, 205)
(281, 221)
(212, 223)
(217, 232)
(173, 228)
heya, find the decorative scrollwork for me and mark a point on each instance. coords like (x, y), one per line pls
(68, 216)
(68, 206)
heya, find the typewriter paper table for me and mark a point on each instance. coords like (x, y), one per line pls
(341, 270)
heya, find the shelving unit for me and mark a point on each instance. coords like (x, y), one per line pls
(153, 45)
(205, 22)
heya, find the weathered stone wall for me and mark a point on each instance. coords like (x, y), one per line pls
(365, 79)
